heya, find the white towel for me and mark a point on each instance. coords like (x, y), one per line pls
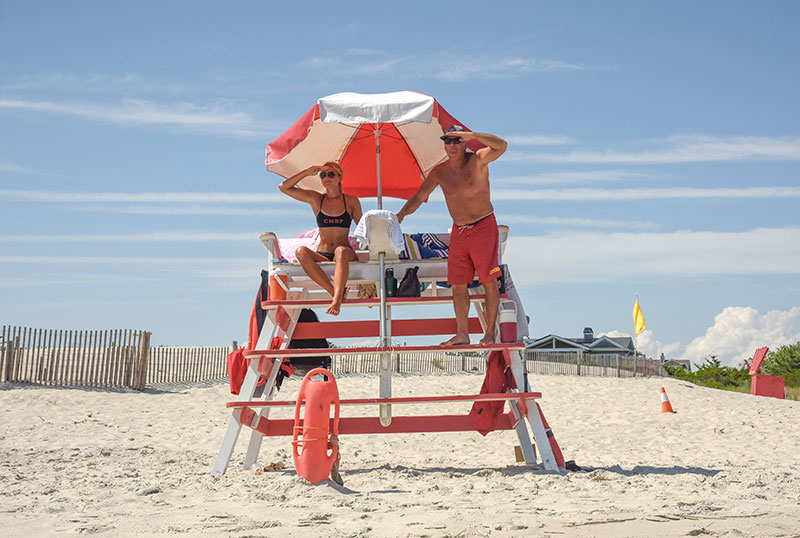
(395, 233)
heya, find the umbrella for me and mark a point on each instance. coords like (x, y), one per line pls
(384, 142)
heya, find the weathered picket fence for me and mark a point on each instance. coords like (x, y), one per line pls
(124, 358)
(108, 358)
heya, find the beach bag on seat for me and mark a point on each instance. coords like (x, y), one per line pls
(409, 286)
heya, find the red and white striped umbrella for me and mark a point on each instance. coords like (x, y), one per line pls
(384, 142)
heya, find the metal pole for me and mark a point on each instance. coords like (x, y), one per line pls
(377, 133)
(385, 372)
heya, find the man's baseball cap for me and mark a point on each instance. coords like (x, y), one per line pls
(452, 129)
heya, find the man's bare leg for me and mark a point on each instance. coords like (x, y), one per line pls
(461, 307)
(342, 256)
(308, 260)
(492, 305)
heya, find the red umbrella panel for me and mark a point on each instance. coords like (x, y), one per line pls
(384, 142)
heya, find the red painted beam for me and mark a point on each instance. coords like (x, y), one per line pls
(371, 328)
(258, 353)
(401, 400)
(391, 301)
(365, 425)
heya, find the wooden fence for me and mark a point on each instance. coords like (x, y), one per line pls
(124, 358)
(171, 364)
(537, 362)
(409, 362)
(590, 364)
(110, 358)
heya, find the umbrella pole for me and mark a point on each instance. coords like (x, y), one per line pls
(385, 368)
(377, 132)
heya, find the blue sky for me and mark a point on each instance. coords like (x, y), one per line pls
(654, 150)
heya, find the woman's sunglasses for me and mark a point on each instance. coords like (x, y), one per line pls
(329, 174)
(451, 140)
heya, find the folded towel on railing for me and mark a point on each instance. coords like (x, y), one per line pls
(395, 233)
(423, 246)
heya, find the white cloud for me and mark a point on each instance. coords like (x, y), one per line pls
(456, 67)
(645, 193)
(140, 197)
(131, 260)
(739, 330)
(178, 235)
(566, 177)
(647, 343)
(9, 167)
(484, 66)
(680, 149)
(538, 140)
(87, 82)
(193, 209)
(217, 117)
(597, 257)
(576, 222)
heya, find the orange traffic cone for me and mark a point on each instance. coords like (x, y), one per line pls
(666, 407)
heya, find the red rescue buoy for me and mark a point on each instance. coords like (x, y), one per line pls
(315, 445)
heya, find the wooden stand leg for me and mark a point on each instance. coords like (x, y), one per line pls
(535, 421)
(265, 339)
(522, 434)
(246, 393)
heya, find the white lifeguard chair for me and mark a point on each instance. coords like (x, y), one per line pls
(251, 408)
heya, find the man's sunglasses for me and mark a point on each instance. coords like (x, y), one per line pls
(330, 175)
(451, 140)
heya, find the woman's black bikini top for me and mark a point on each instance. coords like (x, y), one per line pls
(326, 221)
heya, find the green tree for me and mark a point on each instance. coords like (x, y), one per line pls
(784, 362)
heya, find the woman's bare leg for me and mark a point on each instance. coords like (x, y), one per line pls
(342, 256)
(308, 260)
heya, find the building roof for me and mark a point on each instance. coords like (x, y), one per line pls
(601, 344)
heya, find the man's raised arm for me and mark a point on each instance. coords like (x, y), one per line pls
(422, 193)
(495, 146)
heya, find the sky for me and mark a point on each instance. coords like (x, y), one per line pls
(654, 150)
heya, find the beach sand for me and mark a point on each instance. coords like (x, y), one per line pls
(125, 463)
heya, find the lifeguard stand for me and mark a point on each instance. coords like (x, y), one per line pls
(254, 402)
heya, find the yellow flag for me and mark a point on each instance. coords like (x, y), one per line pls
(638, 317)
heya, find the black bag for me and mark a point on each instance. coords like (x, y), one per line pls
(409, 286)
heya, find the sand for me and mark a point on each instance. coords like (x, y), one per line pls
(125, 463)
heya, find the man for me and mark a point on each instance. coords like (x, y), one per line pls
(464, 178)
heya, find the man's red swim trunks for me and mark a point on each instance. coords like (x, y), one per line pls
(473, 248)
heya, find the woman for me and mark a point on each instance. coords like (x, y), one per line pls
(335, 212)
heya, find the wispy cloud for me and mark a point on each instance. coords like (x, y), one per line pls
(217, 117)
(139, 197)
(538, 140)
(152, 261)
(680, 149)
(170, 236)
(645, 193)
(194, 209)
(501, 66)
(10, 167)
(88, 82)
(450, 65)
(598, 257)
(358, 62)
(574, 222)
(567, 177)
